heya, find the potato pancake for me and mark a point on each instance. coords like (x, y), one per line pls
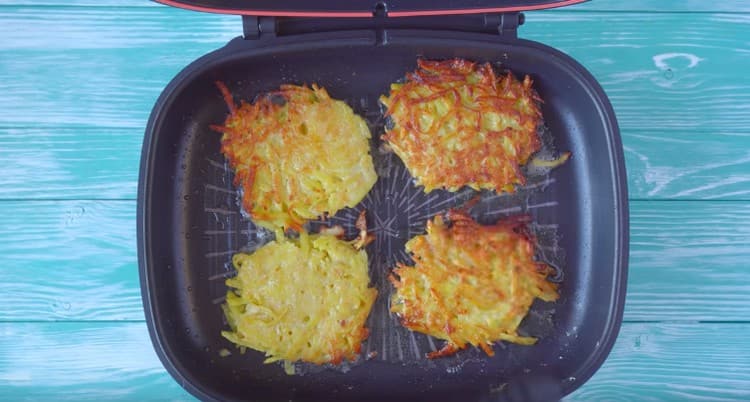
(300, 299)
(471, 283)
(456, 123)
(297, 154)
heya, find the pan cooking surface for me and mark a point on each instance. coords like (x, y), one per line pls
(397, 210)
(190, 224)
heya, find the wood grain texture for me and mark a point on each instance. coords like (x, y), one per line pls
(103, 163)
(678, 71)
(663, 6)
(597, 5)
(59, 163)
(674, 362)
(116, 362)
(82, 362)
(688, 261)
(69, 260)
(103, 67)
(684, 127)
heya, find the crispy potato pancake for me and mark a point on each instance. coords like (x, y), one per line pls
(297, 154)
(300, 299)
(471, 283)
(456, 123)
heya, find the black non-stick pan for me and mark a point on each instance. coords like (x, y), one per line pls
(190, 222)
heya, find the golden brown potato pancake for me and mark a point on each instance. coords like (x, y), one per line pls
(300, 299)
(471, 283)
(297, 154)
(456, 123)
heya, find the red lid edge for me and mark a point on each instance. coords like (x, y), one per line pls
(175, 3)
(178, 4)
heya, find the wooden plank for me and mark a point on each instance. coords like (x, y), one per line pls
(115, 361)
(595, 5)
(667, 164)
(680, 72)
(103, 163)
(96, 86)
(103, 66)
(674, 362)
(663, 6)
(688, 261)
(99, 163)
(82, 362)
(69, 260)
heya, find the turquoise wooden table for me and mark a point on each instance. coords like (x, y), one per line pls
(78, 80)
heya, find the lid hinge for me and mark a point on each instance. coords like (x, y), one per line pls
(507, 23)
(255, 27)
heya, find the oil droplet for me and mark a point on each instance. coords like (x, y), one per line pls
(189, 288)
(187, 330)
(186, 197)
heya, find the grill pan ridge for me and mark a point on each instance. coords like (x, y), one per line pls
(190, 223)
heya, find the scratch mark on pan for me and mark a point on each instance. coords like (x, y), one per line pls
(399, 348)
(412, 198)
(393, 187)
(220, 165)
(504, 210)
(427, 215)
(220, 232)
(220, 189)
(542, 183)
(383, 316)
(404, 189)
(432, 344)
(543, 205)
(450, 199)
(222, 275)
(219, 253)
(221, 211)
(414, 345)
(429, 199)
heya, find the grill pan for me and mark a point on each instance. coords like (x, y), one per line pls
(190, 221)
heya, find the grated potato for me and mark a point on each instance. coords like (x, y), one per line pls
(300, 299)
(297, 154)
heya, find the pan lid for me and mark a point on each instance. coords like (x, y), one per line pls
(363, 8)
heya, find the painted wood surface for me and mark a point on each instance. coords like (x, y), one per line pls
(82, 361)
(688, 261)
(669, 65)
(677, 83)
(75, 94)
